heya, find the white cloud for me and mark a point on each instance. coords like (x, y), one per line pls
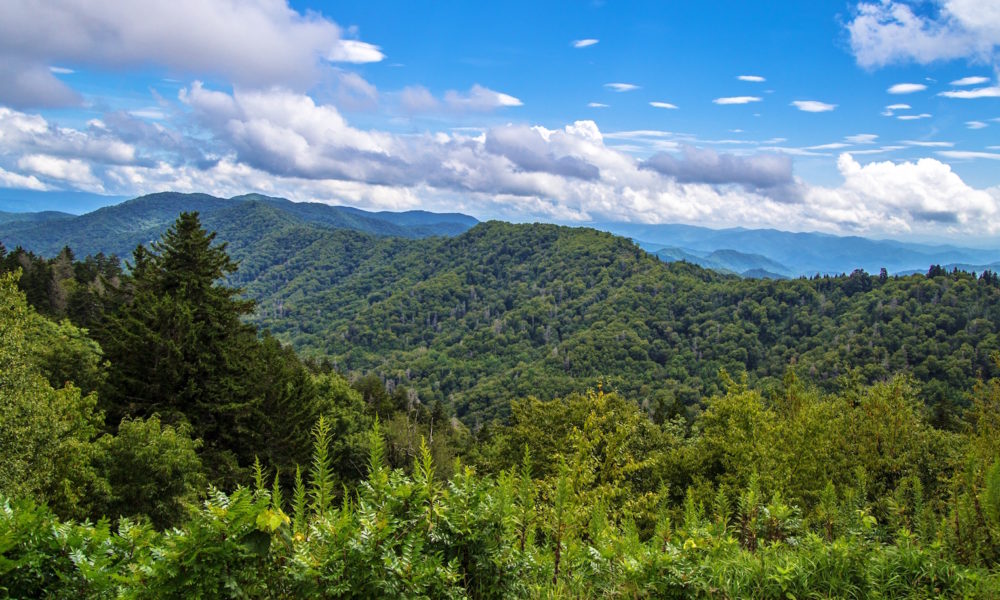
(967, 155)
(898, 107)
(928, 144)
(596, 105)
(976, 125)
(21, 182)
(970, 81)
(285, 143)
(61, 70)
(831, 146)
(584, 42)
(736, 100)
(621, 87)
(752, 78)
(479, 99)
(662, 105)
(813, 106)
(914, 117)
(891, 32)
(862, 138)
(259, 43)
(155, 114)
(983, 92)
(355, 51)
(906, 88)
(920, 196)
(73, 171)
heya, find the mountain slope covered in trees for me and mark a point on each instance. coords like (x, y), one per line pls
(503, 311)
(509, 310)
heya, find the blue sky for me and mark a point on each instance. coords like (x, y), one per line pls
(875, 118)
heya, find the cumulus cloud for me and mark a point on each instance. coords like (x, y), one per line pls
(736, 100)
(891, 32)
(19, 181)
(285, 143)
(621, 87)
(906, 88)
(813, 106)
(662, 105)
(908, 196)
(751, 78)
(702, 165)
(260, 43)
(72, 171)
(534, 149)
(584, 42)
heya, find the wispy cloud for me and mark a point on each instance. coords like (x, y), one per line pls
(752, 78)
(479, 99)
(61, 70)
(154, 114)
(597, 105)
(621, 87)
(862, 138)
(983, 92)
(813, 106)
(914, 117)
(584, 42)
(928, 144)
(906, 88)
(892, 108)
(976, 125)
(970, 81)
(966, 155)
(832, 146)
(662, 105)
(737, 100)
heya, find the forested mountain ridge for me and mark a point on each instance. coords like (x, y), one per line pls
(505, 311)
(120, 228)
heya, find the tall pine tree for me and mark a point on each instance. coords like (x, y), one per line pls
(180, 349)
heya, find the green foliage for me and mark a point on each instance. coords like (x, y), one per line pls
(153, 469)
(45, 433)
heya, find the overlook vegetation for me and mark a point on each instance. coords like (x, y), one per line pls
(518, 411)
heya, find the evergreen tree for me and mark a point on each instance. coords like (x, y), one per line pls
(180, 349)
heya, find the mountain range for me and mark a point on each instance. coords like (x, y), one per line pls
(755, 253)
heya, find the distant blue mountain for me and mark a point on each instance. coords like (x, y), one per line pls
(120, 228)
(800, 253)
